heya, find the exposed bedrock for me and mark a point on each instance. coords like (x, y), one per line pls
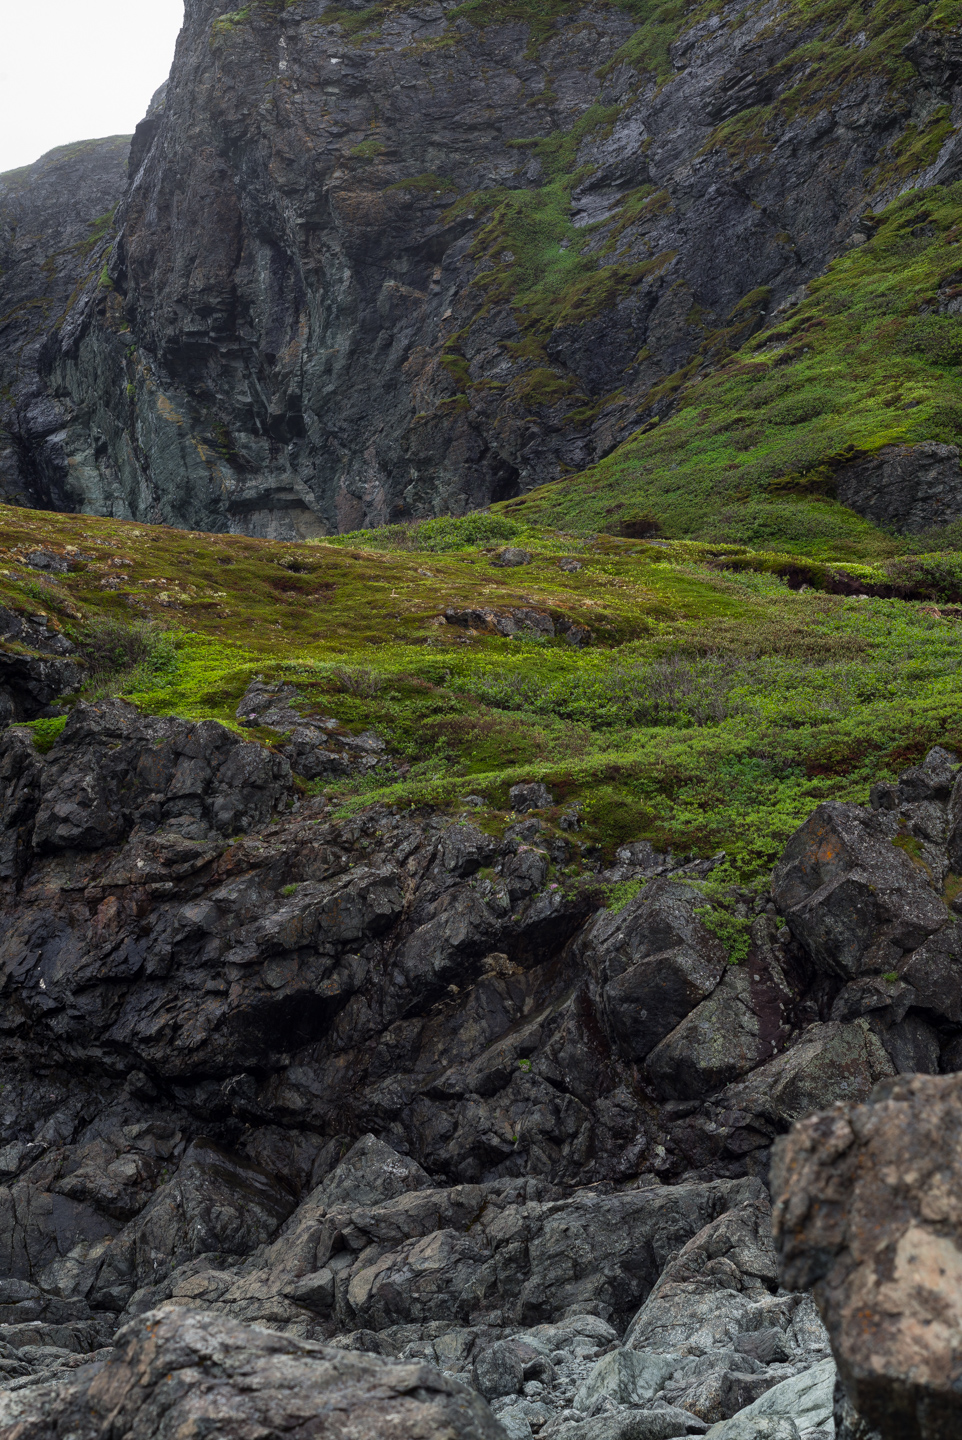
(54, 216)
(384, 1084)
(867, 1212)
(309, 315)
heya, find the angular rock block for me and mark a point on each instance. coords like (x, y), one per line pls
(868, 1213)
(655, 961)
(852, 898)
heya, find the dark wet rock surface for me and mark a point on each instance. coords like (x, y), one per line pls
(384, 1084)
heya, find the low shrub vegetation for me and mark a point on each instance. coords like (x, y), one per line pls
(724, 692)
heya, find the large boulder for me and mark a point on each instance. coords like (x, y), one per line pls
(176, 1372)
(828, 1062)
(653, 961)
(851, 897)
(867, 1212)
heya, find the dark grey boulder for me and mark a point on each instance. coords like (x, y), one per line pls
(530, 796)
(499, 1370)
(654, 961)
(851, 897)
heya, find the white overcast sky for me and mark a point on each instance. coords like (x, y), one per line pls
(79, 69)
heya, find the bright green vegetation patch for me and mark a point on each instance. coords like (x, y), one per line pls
(44, 732)
(865, 361)
(712, 710)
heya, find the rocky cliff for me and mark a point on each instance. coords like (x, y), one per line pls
(387, 260)
(54, 216)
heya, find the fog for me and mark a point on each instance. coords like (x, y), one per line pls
(79, 70)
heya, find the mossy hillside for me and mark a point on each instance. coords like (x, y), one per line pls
(714, 708)
(553, 274)
(866, 360)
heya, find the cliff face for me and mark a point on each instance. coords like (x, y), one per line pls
(54, 216)
(394, 260)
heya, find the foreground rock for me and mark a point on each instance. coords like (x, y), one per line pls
(385, 1083)
(868, 1213)
(175, 1373)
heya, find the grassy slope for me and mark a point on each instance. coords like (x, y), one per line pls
(713, 711)
(866, 360)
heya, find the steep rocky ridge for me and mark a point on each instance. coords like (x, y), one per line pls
(390, 261)
(54, 216)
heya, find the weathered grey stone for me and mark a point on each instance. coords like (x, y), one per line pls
(807, 1400)
(628, 1377)
(934, 972)
(498, 1370)
(755, 1427)
(176, 1371)
(851, 897)
(632, 1425)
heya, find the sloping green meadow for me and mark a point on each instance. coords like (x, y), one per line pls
(712, 710)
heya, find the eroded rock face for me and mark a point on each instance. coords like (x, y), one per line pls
(54, 216)
(383, 1083)
(302, 327)
(174, 1371)
(867, 1214)
(908, 487)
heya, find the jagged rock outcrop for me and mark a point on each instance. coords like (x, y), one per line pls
(867, 1212)
(401, 260)
(54, 216)
(906, 487)
(172, 1373)
(384, 1083)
